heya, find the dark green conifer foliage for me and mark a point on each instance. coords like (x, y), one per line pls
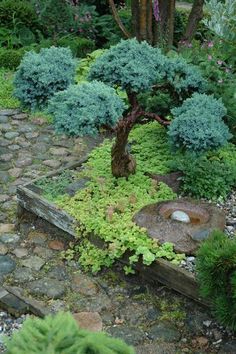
(216, 273)
(60, 334)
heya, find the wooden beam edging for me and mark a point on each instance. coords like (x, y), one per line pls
(31, 201)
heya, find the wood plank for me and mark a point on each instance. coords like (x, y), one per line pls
(31, 201)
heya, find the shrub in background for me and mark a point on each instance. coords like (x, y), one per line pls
(6, 89)
(41, 75)
(60, 334)
(198, 124)
(210, 175)
(18, 11)
(82, 109)
(216, 274)
(10, 58)
(79, 46)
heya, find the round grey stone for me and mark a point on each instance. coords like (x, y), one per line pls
(11, 135)
(181, 216)
(201, 235)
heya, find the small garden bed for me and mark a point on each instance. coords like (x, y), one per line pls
(97, 209)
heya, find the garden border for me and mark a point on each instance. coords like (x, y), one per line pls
(161, 271)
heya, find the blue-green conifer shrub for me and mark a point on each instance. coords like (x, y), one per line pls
(184, 77)
(41, 75)
(82, 109)
(198, 124)
(132, 65)
(60, 334)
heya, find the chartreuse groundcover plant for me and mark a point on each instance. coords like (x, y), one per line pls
(107, 205)
(59, 334)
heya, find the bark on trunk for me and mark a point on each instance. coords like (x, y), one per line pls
(122, 163)
(135, 18)
(195, 17)
(165, 27)
(143, 19)
(117, 19)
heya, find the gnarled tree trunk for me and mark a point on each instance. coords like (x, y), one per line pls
(122, 162)
(195, 17)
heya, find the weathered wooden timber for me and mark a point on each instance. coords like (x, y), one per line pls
(161, 271)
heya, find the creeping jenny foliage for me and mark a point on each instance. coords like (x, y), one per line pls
(82, 109)
(198, 124)
(216, 264)
(131, 65)
(41, 75)
(107, 205)
(59, 334)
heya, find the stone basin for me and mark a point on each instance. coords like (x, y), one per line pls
(186, 237)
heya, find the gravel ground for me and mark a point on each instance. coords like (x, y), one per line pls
(8, 325)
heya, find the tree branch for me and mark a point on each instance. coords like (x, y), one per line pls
(117, 19)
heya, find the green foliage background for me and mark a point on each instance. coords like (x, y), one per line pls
(216, 262)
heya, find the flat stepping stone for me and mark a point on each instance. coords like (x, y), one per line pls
(52, 288)
(23, 274)
(37, 237)
(7, 265)
(33, 262)
(165, 331)
(6, 157)
(3, 249)
(20, 116)
(4, 198)
(59, 151)
(20, 252)
(23, 162)
(11, 135)
(4, 228)
(52, 163)
(15, 172)
(43, 252)
(56, 245)
(8, 112)
(83, 285)
(91, 321)
(9, 238)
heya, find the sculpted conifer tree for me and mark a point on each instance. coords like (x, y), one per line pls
(133, 67)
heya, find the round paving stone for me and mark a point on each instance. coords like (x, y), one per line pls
(9, 238)
(91, 321)
(3, 249)
(52, 288)
(11, 135)
(166, 332)
(20, 252)
(33, 262)
(7, 265)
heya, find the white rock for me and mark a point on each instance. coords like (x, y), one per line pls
(179, 215)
